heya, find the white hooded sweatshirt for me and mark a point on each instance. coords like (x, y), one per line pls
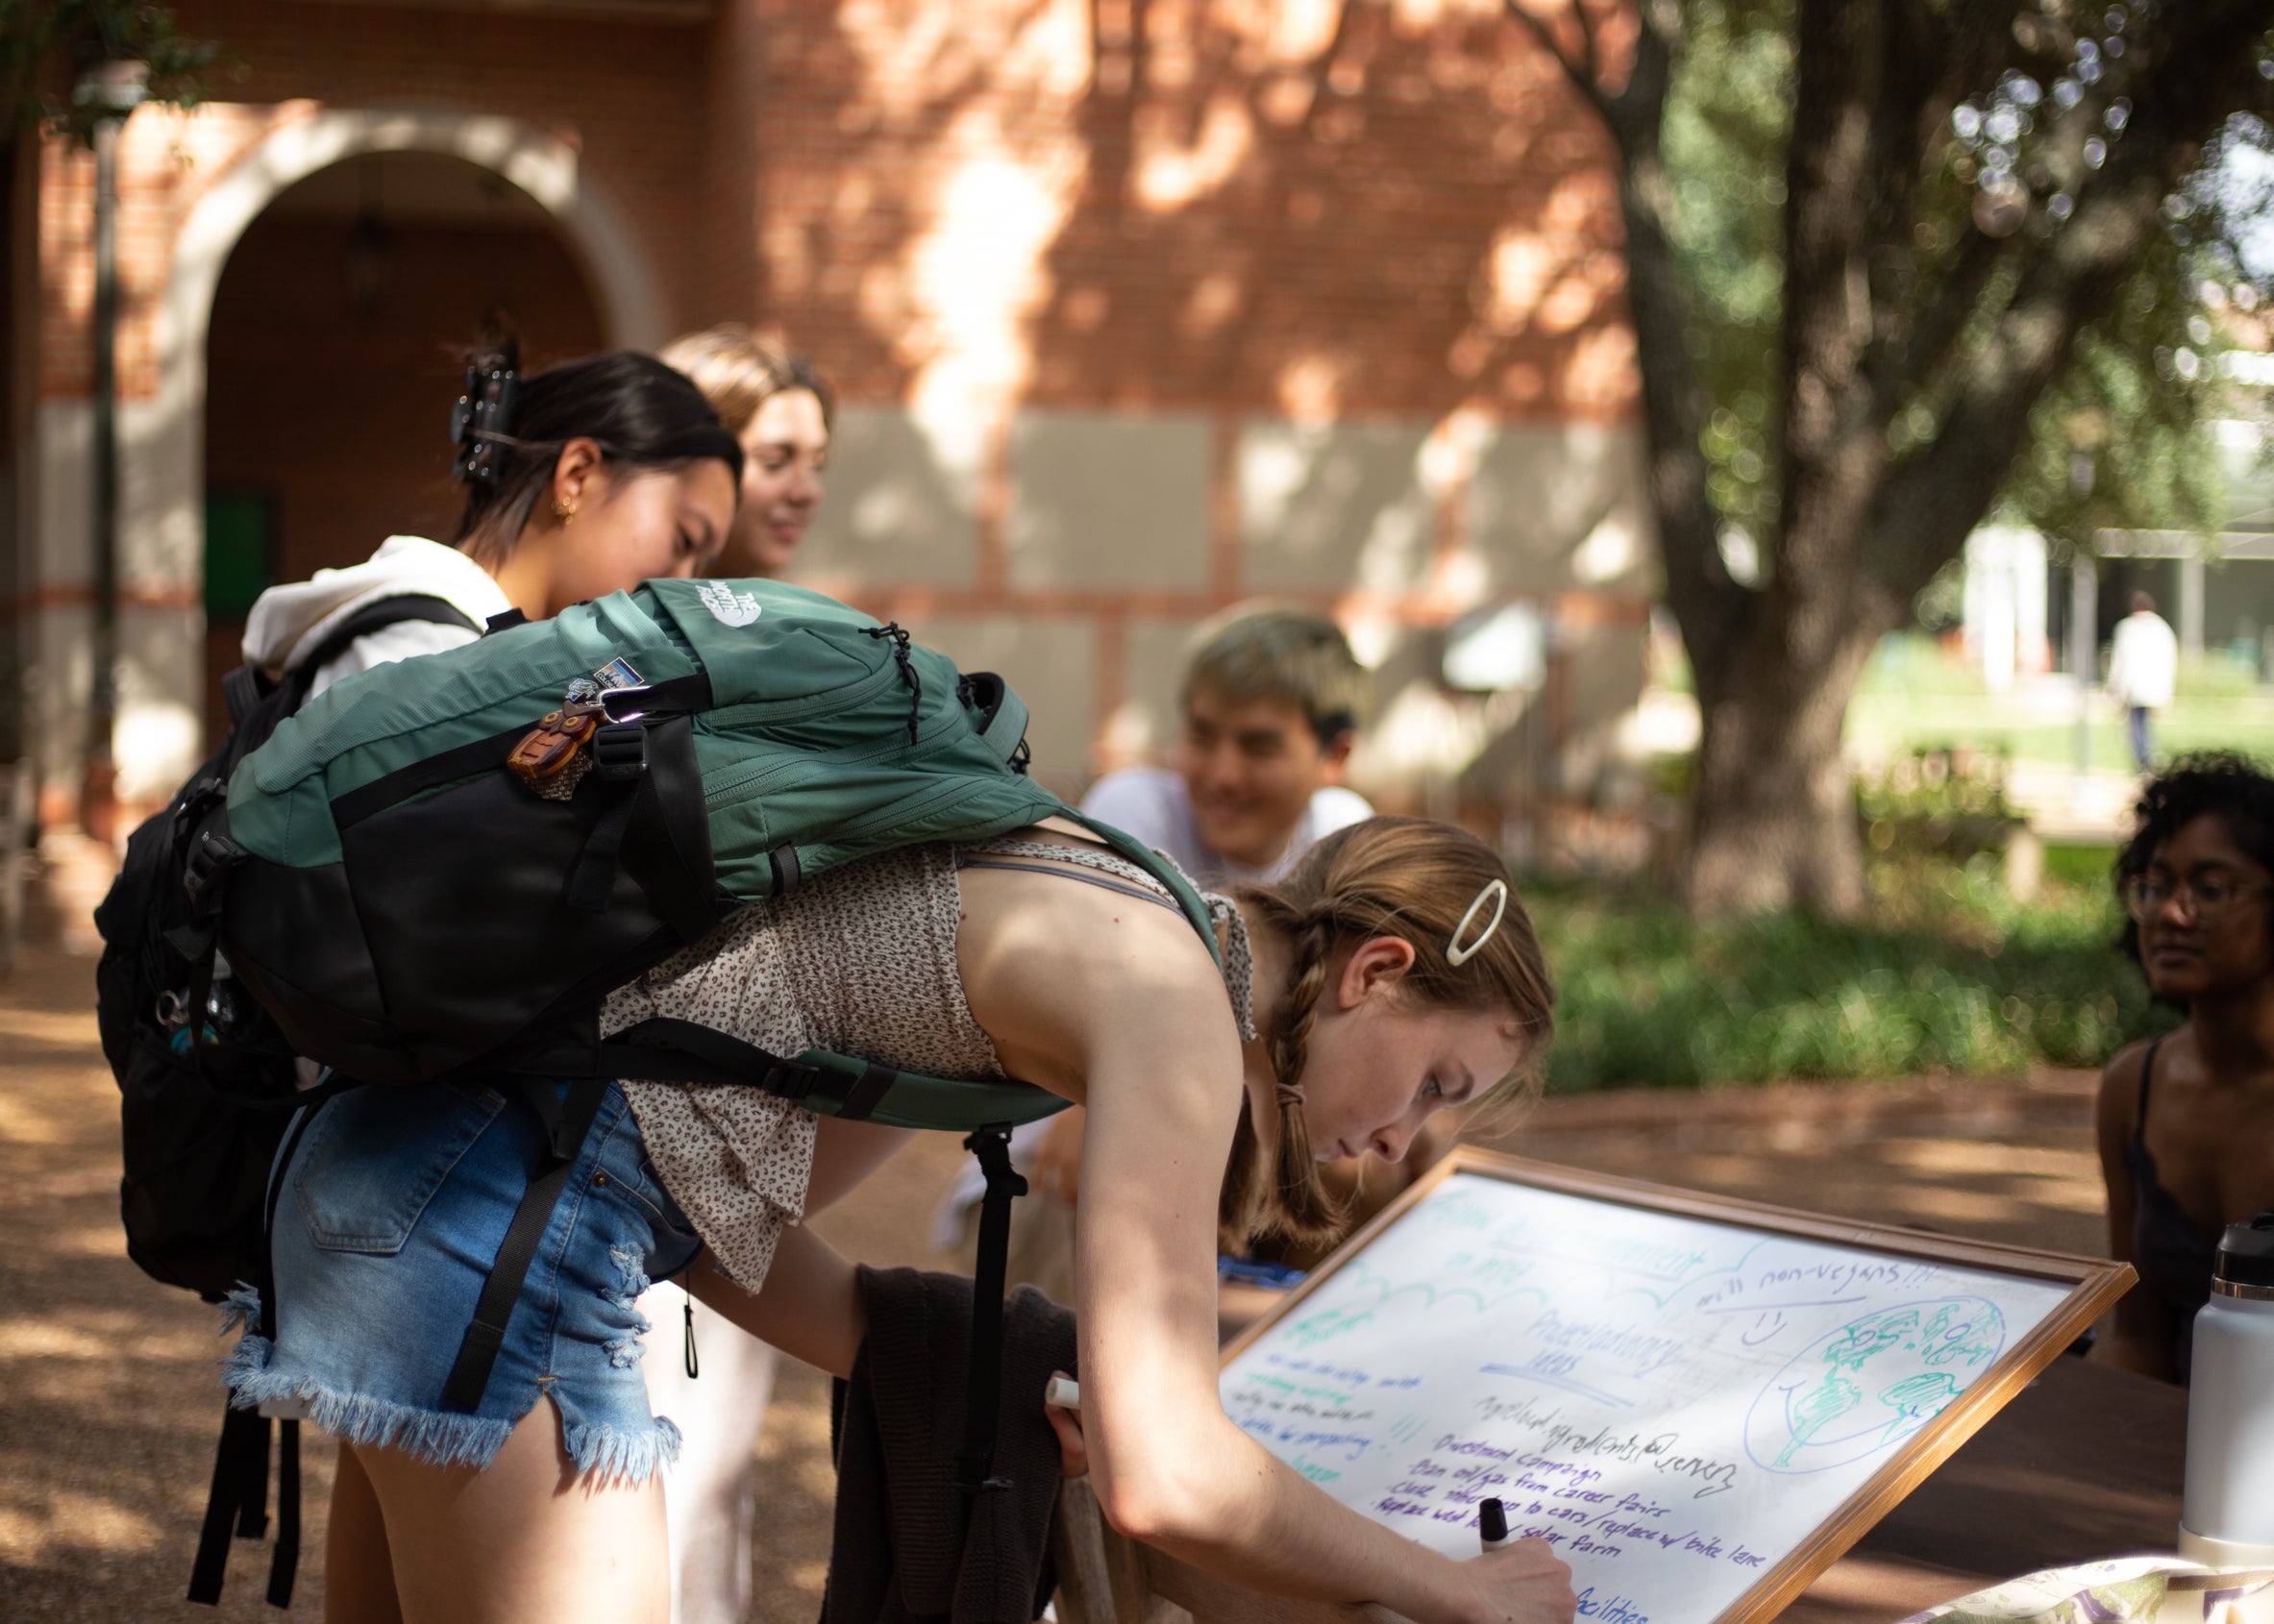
(290, 623)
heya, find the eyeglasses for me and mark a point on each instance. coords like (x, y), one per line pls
(2206, 899)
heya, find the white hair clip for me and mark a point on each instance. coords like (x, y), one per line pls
(1495, 891)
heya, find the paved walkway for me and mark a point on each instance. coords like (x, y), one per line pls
(109, 1408)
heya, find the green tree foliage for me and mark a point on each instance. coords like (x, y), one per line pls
(46, 44)
(1894, 265)
(1729, 113)
(2122, 439)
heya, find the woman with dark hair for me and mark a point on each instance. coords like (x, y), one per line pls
(2186, 1120)
(1392, 973)
(582, 480)
(585, 479)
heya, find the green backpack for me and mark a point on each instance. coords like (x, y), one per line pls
(436, 870)
(412, 911)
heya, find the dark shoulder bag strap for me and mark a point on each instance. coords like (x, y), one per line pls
(567, 1121)
(238, 1500)
(372, 617)
(974, 1466)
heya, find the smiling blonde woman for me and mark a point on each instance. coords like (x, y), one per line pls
(782, 413)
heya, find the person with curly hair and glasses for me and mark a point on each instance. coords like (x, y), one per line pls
(2186, 1120)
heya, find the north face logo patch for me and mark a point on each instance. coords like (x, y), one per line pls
(725, 604)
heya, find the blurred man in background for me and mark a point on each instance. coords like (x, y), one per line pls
(1271, 700)
(1271, 704)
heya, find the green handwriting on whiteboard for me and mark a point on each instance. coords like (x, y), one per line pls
(1674, 1402)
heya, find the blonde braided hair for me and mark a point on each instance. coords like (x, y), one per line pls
(1407, 877)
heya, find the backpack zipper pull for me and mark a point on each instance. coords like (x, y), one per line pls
(899, 653)
(693, 1371)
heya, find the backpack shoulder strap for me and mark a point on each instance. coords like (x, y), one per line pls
(372, 617)
(1187, 895)
(257, 705)
(662, 1048)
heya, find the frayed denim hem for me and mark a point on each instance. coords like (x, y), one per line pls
(607, 1454)
(613, 1455)
(430, 1435)
(241, 1308)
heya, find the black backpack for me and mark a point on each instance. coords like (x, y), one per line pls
(203, 1101)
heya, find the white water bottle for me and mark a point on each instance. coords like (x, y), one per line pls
(2226, 1516)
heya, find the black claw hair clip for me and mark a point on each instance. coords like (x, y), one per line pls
(483, 417)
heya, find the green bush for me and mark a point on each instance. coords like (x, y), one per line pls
(2088, 867)
(1944, 801)
(1947, 975)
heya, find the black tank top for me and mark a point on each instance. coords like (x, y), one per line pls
(2173, 1256)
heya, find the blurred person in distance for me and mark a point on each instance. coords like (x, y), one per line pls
(2142, 672)
(780, 410)
(782, 413)
(2186, 1122)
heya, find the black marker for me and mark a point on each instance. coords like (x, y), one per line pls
(1492, 1521)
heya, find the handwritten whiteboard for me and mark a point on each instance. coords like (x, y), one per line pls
(1699, 1403)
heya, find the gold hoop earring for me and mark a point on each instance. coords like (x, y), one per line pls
(565, 509)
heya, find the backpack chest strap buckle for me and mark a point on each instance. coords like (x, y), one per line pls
(211, 854)
(619, 751)
(198, 798)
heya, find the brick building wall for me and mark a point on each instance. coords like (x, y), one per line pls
(1147, 307)
(1137, 308)
(1395, 210)
(619, 91)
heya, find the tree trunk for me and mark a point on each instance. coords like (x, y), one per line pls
(1861, 527)
(1772, 813)
(1772, 809)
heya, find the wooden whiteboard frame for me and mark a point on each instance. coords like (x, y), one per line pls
(2094, 1285)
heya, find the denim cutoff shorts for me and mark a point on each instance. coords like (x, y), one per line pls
(391, 1212)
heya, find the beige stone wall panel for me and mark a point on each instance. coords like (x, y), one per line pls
(1559, 510)
(1144, 726)
(1602, 675)
(1328, 508)
(1109, 500)
(899, 511)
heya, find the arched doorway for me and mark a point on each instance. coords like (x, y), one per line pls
(164, 646)
(332, 363)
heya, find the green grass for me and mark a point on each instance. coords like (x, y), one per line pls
(1914, 695)
(2079, 864)
(1947, 975)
